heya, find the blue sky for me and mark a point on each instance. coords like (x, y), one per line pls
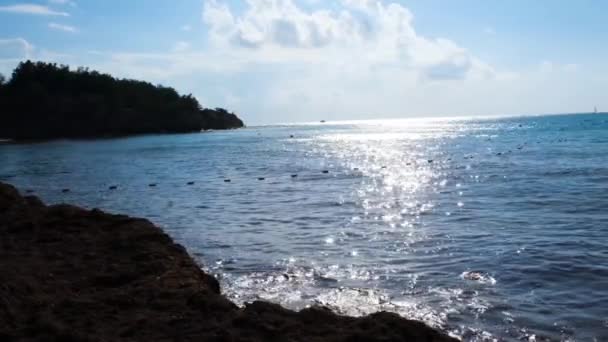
(304, 60)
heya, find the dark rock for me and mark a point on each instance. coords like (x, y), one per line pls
(83, 275)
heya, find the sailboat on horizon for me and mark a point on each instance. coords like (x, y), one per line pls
(595, 110)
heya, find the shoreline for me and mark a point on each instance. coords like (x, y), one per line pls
(67, 273)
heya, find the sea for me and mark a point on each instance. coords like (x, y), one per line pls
(490, 229)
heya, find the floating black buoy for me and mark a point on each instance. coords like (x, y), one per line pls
(384, 167)
(112, 187)
(152, 185)
(226, 180)
(190, 183)
(294, 176)
(356, 169)
(430, 161)
(325, 171)
(65, 190)
(499, 154)
(291, 136)
(261, 178)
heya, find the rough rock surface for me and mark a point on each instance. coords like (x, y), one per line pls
(69, 274)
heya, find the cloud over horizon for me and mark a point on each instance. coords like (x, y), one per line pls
(299, 60)
(32, 9)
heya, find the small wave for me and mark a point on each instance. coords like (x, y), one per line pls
(480, 277)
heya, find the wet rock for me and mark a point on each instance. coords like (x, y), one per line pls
(70, 274)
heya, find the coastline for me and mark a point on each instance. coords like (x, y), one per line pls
(67, 273)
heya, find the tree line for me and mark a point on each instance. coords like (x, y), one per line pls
(46, 100)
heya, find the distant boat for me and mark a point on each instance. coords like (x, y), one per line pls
(594, 110)
(322, 121)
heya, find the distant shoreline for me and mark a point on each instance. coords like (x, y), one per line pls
(44, 101)
(108, 137)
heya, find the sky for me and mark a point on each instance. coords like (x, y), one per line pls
(278, 61)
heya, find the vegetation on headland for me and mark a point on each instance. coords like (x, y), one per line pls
(45, 101)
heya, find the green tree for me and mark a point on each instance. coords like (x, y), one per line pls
(46, 100)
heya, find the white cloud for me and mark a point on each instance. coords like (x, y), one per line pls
(15, 49)
(12, 51)
(378, 34)
(489, 31)
(32, 9)
(181, 46)
(273, 61)
(62, 27)
(63, 2)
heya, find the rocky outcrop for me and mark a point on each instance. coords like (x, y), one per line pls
(69, 274)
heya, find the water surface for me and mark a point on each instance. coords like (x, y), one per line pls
(488, 228)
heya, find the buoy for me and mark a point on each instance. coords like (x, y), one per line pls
(261, 178)
(325, 171)
(112, 187)
(294, 176)
(499, 154)
(430, 161)
(384, 167)
(65, 190)
(152, 185)
(190, 183)
(291, 136)
(226, 180)
(29, 191)
(356, 169)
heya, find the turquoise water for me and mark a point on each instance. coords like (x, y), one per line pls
(488, 229)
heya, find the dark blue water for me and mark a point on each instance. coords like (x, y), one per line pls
(488, 229)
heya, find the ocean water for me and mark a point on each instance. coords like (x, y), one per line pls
(490, 229)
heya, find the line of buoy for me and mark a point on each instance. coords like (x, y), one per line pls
(295, 175)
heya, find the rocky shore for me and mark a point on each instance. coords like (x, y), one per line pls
(69, 274)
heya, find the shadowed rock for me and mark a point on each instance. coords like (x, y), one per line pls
(69, 274)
